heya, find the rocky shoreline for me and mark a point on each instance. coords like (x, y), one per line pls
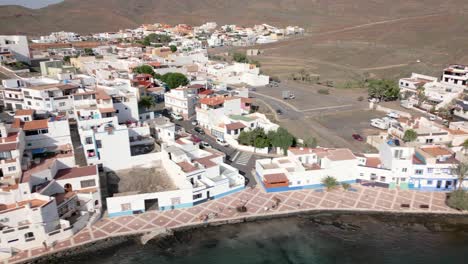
(344, 220)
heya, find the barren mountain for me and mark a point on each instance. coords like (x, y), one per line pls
(93, 16)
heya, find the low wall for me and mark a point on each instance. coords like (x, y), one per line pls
(233, 143)
(389, 110)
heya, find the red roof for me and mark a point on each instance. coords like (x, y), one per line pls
(76, 172)
(101, 94)
(22, 112)
(35, 124)
(275, 178)
(107, 110)
(235, 126)
(206, 92)
(212, 100)
(8, 147)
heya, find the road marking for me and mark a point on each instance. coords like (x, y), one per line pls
(235, 156)
(244, 158)
(326, 107)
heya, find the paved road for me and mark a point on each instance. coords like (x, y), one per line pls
(243, 161)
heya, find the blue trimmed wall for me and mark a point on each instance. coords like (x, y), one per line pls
(179, 206)
(294, 188)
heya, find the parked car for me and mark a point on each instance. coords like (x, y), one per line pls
(205, 144)
(279, 112)
(222, 142)
(196, 139)
(373, 100)
(432, 117)
(393, 115)
(194, 123)
(358, 137)
(292, 96)
(177, 116)
(199, 130)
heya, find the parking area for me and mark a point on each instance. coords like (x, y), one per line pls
(331, 118)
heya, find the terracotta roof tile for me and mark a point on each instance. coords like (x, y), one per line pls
(23, 112)
(235, 126)
(275, 178)
(35, 124)
(76, 172)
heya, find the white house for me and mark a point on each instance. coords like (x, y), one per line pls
(181, 100)
(306, 168)
(196, 175)
(18, 46)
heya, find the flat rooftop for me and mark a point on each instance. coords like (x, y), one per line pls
(140, 180)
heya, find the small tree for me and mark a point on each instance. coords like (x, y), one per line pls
(173, 48)
(174, 79)
(144, 69)
(245, 138)
(461, 170)
(146, 101)
(240, 57)
(465, 146)
(330, 182)
(88, 52)
(281, 138)
(458, 200)
(66, 59)
(345, 186)
(310, 142)
(383, 89)
(410, 135)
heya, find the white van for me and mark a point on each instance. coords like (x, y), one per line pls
(177, 116)
(380, 123)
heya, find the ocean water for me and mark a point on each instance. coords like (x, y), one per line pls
(352, 239)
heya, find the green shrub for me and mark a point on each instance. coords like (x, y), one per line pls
(324, 91)
(458, 200)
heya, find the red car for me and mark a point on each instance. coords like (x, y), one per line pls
(358, 137)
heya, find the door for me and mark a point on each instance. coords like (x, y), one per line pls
(151, 204)
(448, 184)
(439, 184)
(208, 195)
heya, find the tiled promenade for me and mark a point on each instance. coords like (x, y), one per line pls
(258, 203)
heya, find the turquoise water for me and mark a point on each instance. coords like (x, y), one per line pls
(294, 240)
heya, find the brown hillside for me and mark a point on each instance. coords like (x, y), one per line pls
(93, 16)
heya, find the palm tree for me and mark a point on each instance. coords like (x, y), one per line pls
(330, 182)
(461, 171)
(465, 146)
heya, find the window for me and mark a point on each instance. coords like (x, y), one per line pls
(382, 178)
(298, 182)
(12, 168)
(99, 143)
(404, 169)
(29, 102)
(89, 140)
(88, 183)
(197, 196)
(397, 154)
(126, 207)
(429, 140)
(26, 118)
(429, 182)
(62, 104)
(430, 170)
(29, 236)
(403, 179)
(418, 172)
